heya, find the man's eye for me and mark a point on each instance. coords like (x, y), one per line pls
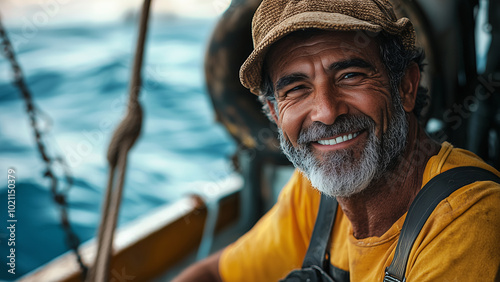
(352, 75)
(296, 88)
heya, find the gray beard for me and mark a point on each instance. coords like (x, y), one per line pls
(342, 173)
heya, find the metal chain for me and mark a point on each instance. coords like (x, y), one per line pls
(59, 195)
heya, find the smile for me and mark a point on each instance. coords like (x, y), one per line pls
(338, 140)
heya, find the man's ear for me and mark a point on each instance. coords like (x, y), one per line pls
(273, 112)
(409, 86)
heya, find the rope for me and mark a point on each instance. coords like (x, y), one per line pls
(59, 195)
(123, 139)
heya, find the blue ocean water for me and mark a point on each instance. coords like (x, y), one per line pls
(79, 76)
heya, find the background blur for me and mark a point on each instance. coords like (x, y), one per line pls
(76, 56)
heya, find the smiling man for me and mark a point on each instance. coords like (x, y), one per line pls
(339, 122)
(341, 80)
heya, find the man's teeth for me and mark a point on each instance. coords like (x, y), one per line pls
(340, 139)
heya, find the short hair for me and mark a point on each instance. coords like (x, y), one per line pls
(393, 55)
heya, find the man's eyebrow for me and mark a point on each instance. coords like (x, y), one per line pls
(356, 62)
(294, 77)
(289, 79)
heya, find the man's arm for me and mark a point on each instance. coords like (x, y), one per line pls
(206, 270)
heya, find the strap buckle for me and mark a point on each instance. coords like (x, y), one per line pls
(389, 278)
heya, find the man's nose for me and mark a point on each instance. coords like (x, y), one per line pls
(328, 105)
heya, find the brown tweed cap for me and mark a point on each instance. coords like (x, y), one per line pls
(274, 19)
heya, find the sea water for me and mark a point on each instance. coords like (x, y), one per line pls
(79, 77)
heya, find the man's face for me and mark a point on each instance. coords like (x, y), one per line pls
(338, 121)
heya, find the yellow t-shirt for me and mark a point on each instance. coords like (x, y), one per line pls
(459, 242)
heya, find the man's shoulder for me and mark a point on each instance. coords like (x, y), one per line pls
(482, 193)
(464, 225)
(450, 157)
(477, 201)
(462, 233)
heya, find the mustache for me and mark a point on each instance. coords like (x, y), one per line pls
(343, 124)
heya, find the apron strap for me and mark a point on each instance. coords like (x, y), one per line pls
(437, 189)
(318, 252)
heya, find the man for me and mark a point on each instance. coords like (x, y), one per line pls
(341, 80)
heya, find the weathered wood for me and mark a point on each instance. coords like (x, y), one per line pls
(149, 246)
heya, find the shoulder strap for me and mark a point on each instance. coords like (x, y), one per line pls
(437, 189)
(317, 252)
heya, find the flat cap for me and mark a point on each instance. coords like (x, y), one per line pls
(274, 19)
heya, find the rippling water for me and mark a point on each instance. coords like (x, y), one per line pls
(79, 77)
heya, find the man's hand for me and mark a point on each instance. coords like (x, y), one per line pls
(206, 270)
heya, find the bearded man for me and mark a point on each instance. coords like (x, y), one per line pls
(341, 81)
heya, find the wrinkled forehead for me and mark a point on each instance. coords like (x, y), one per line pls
(345, 44)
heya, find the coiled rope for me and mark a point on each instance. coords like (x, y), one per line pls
(123, 139)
